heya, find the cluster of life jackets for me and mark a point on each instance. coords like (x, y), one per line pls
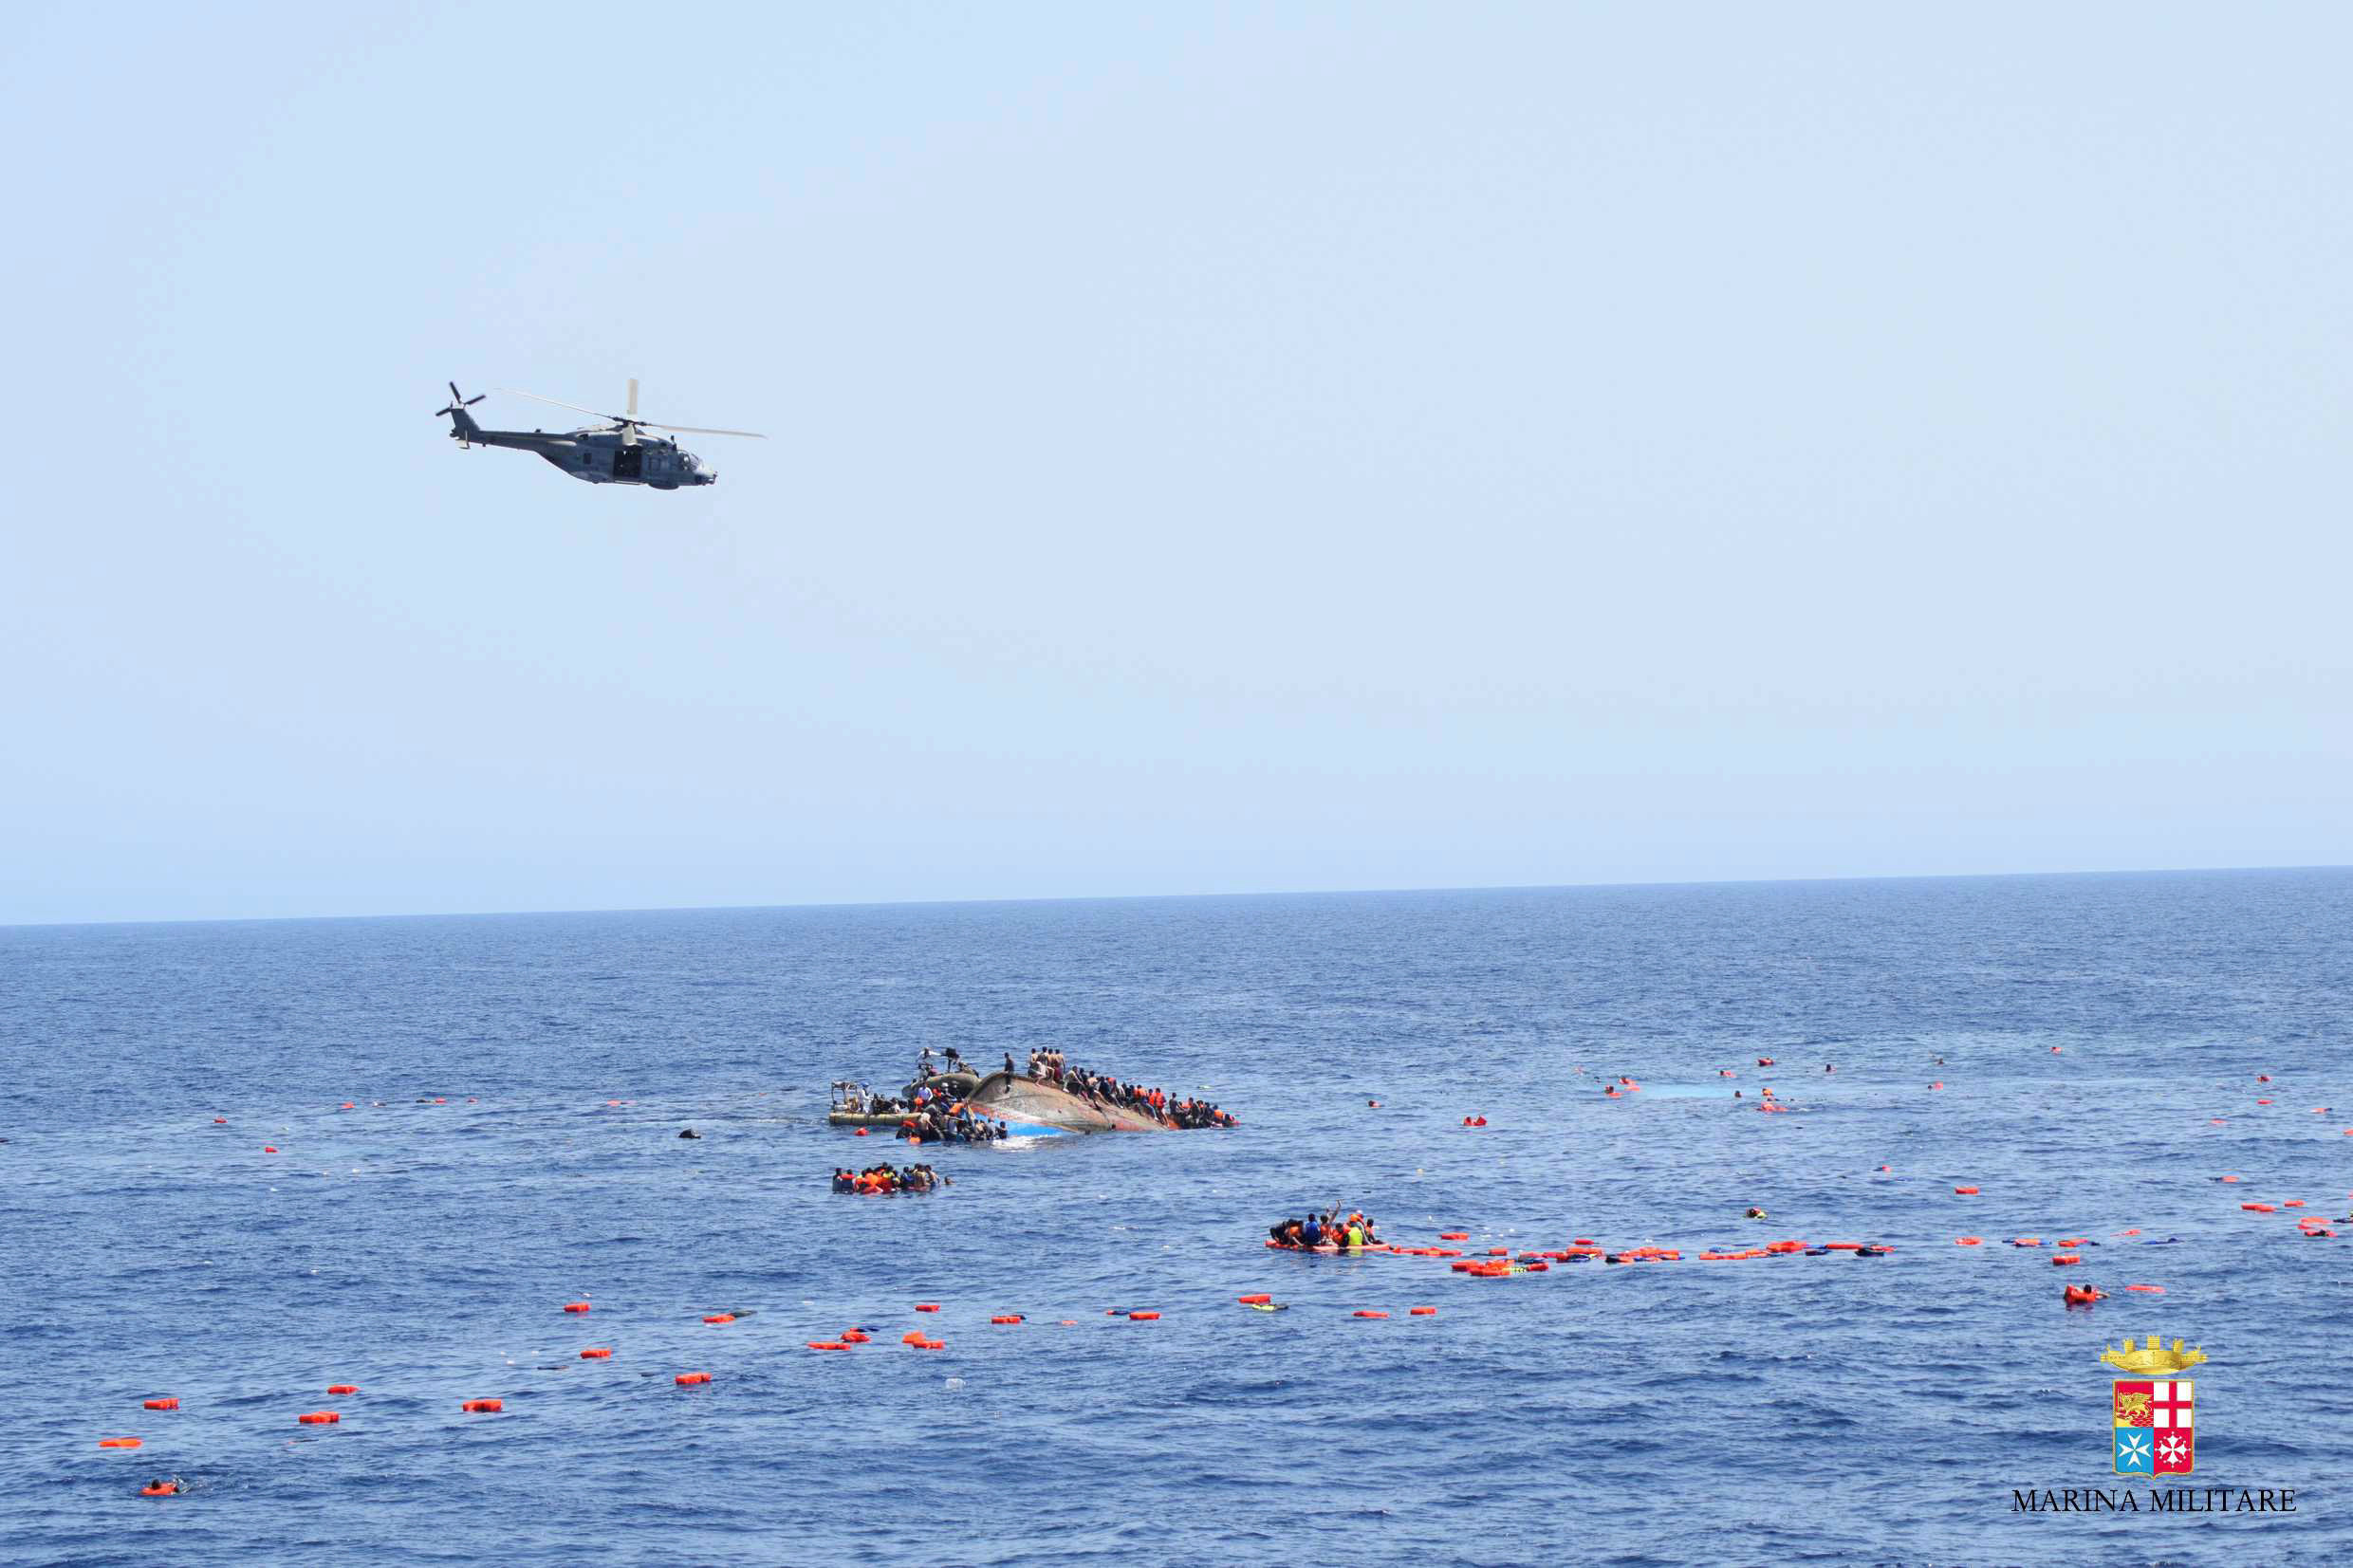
(881, 1180)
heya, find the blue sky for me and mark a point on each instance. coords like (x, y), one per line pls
(1212, 449)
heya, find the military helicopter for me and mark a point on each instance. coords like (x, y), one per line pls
(612, 453)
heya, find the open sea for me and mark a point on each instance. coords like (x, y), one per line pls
(518, 1084)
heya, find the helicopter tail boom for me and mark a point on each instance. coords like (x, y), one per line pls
(462, 428)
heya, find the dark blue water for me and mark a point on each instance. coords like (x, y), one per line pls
(1797, 1409)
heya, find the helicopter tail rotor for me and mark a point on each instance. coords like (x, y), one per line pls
(462, 423)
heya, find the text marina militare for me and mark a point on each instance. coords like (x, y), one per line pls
(2167, 1500)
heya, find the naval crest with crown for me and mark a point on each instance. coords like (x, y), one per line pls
(2153, 1413)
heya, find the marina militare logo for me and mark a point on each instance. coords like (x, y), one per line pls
(2154, 1411)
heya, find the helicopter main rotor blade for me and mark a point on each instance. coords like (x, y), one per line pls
(574, 406)
(699, 430)
(629, 424)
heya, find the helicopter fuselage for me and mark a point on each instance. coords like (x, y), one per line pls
(620, 452)
(601, 457)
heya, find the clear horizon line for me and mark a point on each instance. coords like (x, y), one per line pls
(1119, 898)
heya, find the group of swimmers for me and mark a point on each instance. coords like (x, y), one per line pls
(1048, 1067)
(880, 1180)
(1330, 1228)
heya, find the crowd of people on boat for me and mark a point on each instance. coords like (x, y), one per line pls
(938, 1119)
(934, 1112)
(928, 1065)
(881, 1180)
(857, 1099)
(1048, 1066)
(1329, 1228)
(933, 1109)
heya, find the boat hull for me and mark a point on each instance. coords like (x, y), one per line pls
(1035, 1102)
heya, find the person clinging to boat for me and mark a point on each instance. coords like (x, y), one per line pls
(1104, 1090)
(926, 1067)
(937, 1121)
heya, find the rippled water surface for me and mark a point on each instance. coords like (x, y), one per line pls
(1802, 1408)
